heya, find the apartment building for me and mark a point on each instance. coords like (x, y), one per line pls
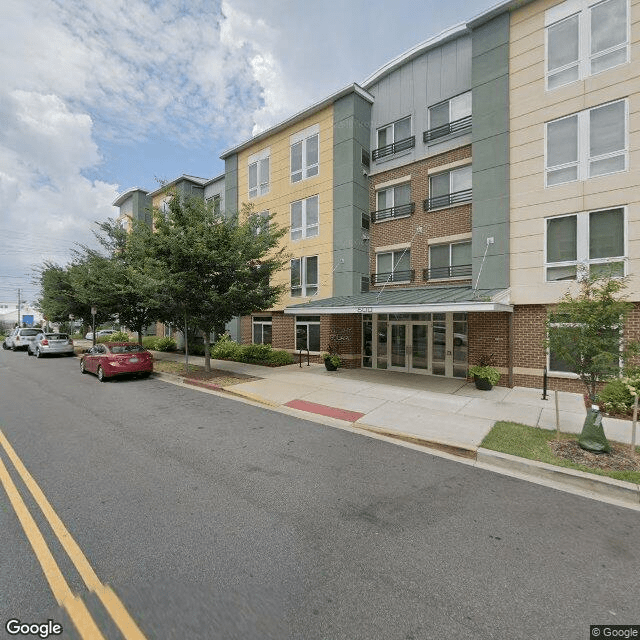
(310, 174)
(574, 150)
(133, 204)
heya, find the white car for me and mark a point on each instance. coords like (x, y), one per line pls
(20, 338)
(99, 334)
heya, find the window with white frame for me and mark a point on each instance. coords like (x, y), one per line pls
(585, 37)
(259, 173)
(304, 276)
(587, 144)
(393, 266)
(452, 260)
(305, 154)
(594, 241)
(393, 202)
(308, 333)
(452, 116)
(214, 201)
(262, 329)
(305, 218)
(449, 188)
(394, 137)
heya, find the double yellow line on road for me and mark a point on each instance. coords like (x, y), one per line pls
(73, 604)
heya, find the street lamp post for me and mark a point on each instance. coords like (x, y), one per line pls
(93, 324)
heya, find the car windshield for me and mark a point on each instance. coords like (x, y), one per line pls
(57, 336)
(126, 348)
(30, 332)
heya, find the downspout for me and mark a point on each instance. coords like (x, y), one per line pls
(510, 351)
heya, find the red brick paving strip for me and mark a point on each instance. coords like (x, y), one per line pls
(324, 410)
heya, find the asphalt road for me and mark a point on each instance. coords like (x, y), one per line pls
(211, 518)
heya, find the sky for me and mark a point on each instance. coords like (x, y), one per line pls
(100, 96)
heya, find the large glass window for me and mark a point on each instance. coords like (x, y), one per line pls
(304, 276)
(394, 137)
(305, 158)
(393, 266)
(308, 333)
(259, 177)
(450, 188)
(305, 218)
(262, 330)
(452, 260)
(393, 202)
(595, 240)
(584, 40)
(587, 144)
(452, 116)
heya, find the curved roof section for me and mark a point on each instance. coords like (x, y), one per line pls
(125, 194)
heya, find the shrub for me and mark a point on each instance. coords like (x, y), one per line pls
(118, 336)
(617, 396)
(280, 357)
(196, 349)
(150, 342)
(255, 352)
(166, 344)
(225, 349)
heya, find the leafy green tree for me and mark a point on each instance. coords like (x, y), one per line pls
(119, 280)
(215, 266)
(585, 331)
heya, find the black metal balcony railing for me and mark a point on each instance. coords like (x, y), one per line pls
(394, 147)
(448, 200)
(454, 271)
(457, 126)
(400, 211)
(395, 276)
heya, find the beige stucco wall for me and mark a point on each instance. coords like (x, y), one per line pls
(530, 107)
(282, 192)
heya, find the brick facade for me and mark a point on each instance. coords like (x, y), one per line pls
(435, 224)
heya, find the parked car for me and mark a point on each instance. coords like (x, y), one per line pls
(51, 343)
(111, 359)
(20, 338)
(99, 334)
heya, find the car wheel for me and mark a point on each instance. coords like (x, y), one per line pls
(145, 374)
(38, 353)
(82, 367)
(101, 375)
(29, 352)
(4, 345)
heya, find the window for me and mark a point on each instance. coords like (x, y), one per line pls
(393, 138)
(594, 241)
(308, 333)
(583, 40)
(449, 117)
(305, 218)
(394, 202)
(259, 173)
(449, 261)
(304, 276)
(214, 201)
(393, 266)
(449, 188)
(305, 154)
(587, 144)
(262, 330)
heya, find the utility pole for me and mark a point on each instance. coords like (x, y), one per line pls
(19, 322)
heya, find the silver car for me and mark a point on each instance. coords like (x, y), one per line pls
(20, 338)
(47, 344)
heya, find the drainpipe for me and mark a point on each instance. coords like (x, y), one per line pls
(510, 350)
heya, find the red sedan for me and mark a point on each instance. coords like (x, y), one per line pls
(111, 359)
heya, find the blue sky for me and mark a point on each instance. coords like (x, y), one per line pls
(97, 97)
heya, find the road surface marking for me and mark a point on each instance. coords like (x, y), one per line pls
(107, 596)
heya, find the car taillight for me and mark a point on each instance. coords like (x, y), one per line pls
(70, 341)
(45, 342)
(17, 338)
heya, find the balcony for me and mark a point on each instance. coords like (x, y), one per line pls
(456, 127)
(455, 271)
(448, 200)
(401, 211)
(395, 276)
(395, 147)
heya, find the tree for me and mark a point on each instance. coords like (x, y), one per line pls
(121, 283)
(215, 266)
(585, 331)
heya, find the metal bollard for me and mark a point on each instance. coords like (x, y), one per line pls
(544, 385)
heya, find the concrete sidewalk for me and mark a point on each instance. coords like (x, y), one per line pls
(445, 410)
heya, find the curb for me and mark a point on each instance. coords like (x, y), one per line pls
(603, 486)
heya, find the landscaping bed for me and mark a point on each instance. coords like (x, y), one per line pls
(544, 446)
(197, 373)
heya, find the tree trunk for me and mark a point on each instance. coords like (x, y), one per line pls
(207, 352)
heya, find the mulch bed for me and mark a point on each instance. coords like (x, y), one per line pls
(621, 457)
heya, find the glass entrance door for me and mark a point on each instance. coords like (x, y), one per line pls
(419, 348)
(398, 346)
